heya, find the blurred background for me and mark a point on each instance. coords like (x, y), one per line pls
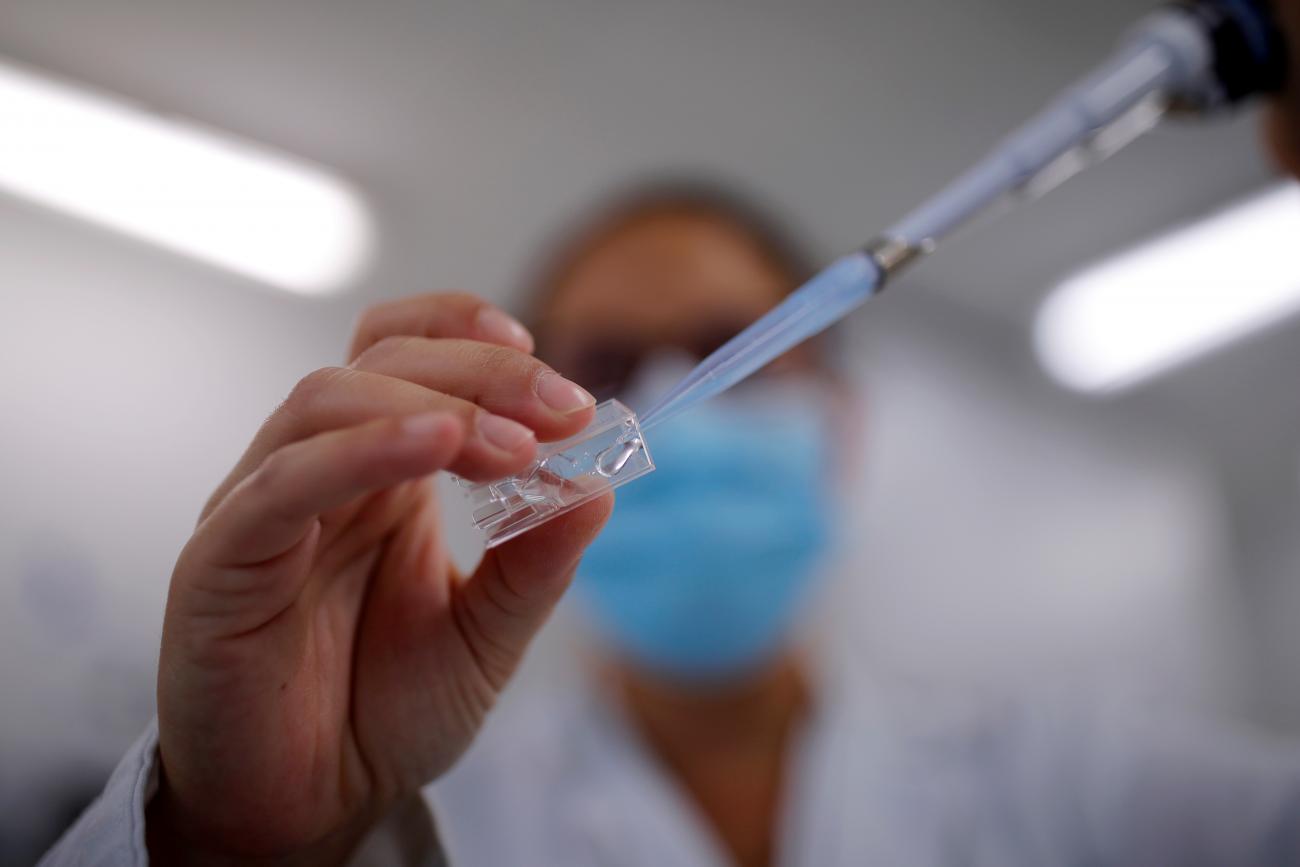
(1012, 531)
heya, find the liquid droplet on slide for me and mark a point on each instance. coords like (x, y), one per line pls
(611, 461)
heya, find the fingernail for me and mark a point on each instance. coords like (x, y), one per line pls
(499, 327)
(503, 433)
(563, 396)
(425, 424)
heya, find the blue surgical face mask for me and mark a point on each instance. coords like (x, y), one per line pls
(703, 567)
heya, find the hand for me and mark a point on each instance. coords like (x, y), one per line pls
(1282, 124)
(321, 658)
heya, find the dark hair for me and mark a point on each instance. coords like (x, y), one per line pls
(772, 238)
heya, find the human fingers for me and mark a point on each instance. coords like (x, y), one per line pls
(273, 514)
(434, 315)
(512, 593)
(339, 397)
(503, 381)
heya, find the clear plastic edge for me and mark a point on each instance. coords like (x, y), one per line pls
(607, 454)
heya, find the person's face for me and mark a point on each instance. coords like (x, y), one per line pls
(700, 575)
(663, 281)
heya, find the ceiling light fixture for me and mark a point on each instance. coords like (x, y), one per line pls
(190, 189)
(1176, 298)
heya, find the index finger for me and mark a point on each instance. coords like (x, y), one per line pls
(439, 314)
(271, 509)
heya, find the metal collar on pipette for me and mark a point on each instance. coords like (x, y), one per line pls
(891, 255)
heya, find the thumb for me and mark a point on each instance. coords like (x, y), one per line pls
(513, 591)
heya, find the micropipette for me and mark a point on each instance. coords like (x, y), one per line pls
(1195, 57)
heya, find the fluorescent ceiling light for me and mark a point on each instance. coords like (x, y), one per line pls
(1178, 297)
(192, 190)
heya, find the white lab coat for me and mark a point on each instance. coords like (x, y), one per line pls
(884, 779)
(880, 779)
(111, 831)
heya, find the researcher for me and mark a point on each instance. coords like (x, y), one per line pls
(707, 730)
(323, 662)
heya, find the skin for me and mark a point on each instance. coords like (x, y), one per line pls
(667, 267)
(321, 658)
(652, 279)
(1282, 122)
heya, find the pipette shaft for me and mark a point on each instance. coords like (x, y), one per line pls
(1196, 56)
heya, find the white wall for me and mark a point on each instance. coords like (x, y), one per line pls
(1271, 595)
(1014, 538)
(130, 382)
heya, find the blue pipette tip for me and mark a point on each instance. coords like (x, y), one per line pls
(809, 310)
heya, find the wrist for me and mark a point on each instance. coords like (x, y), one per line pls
(174, 836)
